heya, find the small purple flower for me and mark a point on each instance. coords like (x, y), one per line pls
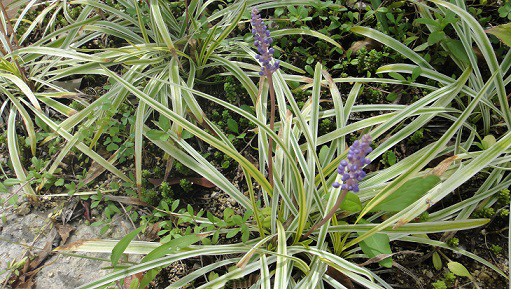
(351, 170)
(262, 42)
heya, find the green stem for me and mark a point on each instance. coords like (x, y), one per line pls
(330, 214)
(255, 208)
(272, 124)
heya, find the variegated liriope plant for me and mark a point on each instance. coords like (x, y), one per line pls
(30, 70)
(163, 51)
(306, 187)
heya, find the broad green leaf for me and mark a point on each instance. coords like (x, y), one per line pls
(112, 147)
(458, 269)
(421, 47)
(11, 182)
(135, 282)
(397, 76)
(407, 194)
(502, 32)
(436, 37)
(122, 245)
(376, 245)
(488, 141)
(323, 153)
(232, 233)
(416, 72)
(163, 123)
(13, 200)
(391, 96)
(157, 134)
(351, 203)
(175, 204)
(437, 261)
(427, 21)
(391, 158)
(232, 125)
(456, 48)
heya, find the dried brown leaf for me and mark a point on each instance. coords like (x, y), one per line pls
(368, 44)
(440, 169)
(168, 167)
(340, 277)
(151, 233)
(24, 279)
(44, 253)
(127, 200)
(96, 169)
(71, 247)
(64, 231)
(129, 279)
(27, 284)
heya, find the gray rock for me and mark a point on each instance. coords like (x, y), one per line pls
(71, 272)
(59, 271)
(23, 209)
(16, 235)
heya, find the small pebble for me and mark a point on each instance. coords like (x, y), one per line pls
(484, 277)
(23, 209)
(430, 274)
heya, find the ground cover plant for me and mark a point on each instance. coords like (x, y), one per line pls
(295, 137)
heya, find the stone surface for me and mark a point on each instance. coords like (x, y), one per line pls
(11, 12)
(62, 271)
(15, 237)
(71, 272)
(59, 271)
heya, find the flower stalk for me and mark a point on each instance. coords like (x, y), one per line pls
(350, 173)
(262, 41)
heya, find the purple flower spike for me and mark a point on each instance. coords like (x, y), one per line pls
(262, 42)
(351, 170)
